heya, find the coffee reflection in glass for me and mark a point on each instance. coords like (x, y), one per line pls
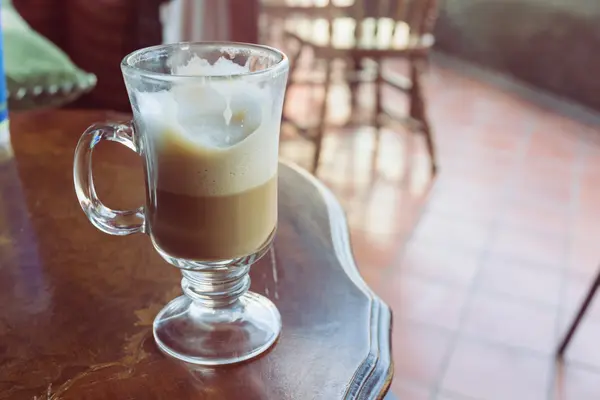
(206, 122)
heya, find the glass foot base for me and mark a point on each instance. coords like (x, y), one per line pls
(199, 334)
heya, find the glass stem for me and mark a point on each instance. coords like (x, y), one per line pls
(216, 289)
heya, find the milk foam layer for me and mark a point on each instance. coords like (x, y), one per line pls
(208, 137)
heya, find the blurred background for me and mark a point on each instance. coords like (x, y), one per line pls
(462, 138)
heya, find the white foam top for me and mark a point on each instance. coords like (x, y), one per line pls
(211, 137)
(200, 67)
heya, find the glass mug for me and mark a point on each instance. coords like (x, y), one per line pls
(206, 123)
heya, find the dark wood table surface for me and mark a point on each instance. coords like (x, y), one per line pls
(77, 305)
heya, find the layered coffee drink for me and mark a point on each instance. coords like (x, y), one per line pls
(211, 165)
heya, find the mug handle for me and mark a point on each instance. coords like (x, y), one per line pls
(113, 222)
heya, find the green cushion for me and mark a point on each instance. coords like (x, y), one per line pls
(38, 73)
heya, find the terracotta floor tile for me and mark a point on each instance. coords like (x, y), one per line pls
(488, 158)
(589, 174)
(375, 250)
(496, 373)
(456, 114)
(397, 151)
(589, 198)
(372, 276)
(548, 194)
(452, 265)
(420, 300)
(535, 247)
(541, 172)
(503, 140)
(576, 288)
(406, 390)
(573, 383)
(551, 182)
(521, 189)
(450, 147)
(484, 207)
(590, 161)
(418, 353)
(346, 162)
(488, 179)
(461, 151)
(590, 148)
(524, 212)
(520, 281)
(440, 229)
(381, 211)
(452, 396)
(493, 167)
(585, 228)
(507, 321)
(583, 258)
(552, 145)
(555, 123)
(519, 125)
(473, 184)
(584, 347)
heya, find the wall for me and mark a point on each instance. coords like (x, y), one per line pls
(552, 44)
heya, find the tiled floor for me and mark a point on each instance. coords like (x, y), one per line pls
(484, 266)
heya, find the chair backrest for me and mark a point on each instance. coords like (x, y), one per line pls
(419, 15)
(379, 21)
(374, 23)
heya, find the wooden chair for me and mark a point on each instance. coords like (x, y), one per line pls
(274, 14)
(363, 34)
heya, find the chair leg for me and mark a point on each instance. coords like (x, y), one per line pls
(294, 57)
(378, 110)
(582, 310)
(355, 66)
(322, 118)
(417, 110)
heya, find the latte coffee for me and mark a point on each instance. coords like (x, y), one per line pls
(211, 167)
(214, 227)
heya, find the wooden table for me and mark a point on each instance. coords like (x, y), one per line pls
(77, 305)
